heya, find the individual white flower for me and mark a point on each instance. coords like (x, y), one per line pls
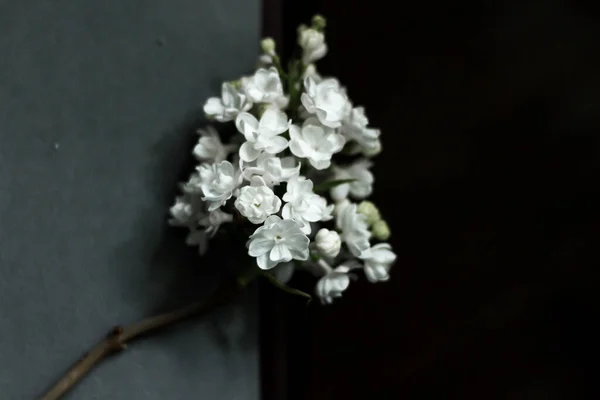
(217, 182)
(183, 212)
(272, 169)
(333, 284)
(209, 147)
(303, 205)
(213, 221)
(328, 243)
(229, 105)
(263, 135)
(327, 100)
(355, 127)
(313, 45)
(278, 241)
(353, 228)
(360, 187)
(378, 261)
(205, 228)
(257, 201)
(315, 142)
(265, 87)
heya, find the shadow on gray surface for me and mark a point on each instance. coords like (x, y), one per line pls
(182, 274)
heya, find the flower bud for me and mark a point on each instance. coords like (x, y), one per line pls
(319, 22)
(328, 242)
(381, 230)
(369, 210)
(313, 45)
(268, 45)
(373, 151)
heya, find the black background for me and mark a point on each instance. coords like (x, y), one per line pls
(488, 178)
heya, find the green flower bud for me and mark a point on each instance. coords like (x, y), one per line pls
(371, 152)
(268, 45)
(369, 210)
(319, 22)
(381, 230)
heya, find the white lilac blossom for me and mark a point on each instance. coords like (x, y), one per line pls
(278, 241)
(303, 205)
(355, 127)
(327, 100)
(378, 260)
(316, 142)
(333, 283)
(217, 182)
(293, 175)
(313, 45)
(263, 135)
(353, 227)
(214, 220)
(210, 148)
(187, 211)
(183, 212)
(272, 169)
(362, 180)
(228, 106)
(328, 243)
(257, 202)
(265, 87)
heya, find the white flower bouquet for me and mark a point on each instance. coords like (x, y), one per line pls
(292, 180)
(292, 173)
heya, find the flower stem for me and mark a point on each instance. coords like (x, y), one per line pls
(118, 339)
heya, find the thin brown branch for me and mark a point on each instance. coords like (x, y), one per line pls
(119, 337)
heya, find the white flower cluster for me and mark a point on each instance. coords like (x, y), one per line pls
(283, 174)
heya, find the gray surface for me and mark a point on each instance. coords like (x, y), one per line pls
(98, 101)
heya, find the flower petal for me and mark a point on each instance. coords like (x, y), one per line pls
(246, 124)
(248, 152)
(320, 164)
(297, 242)
(276, 145)
(280, 253)
(213, 106)
(340, 192)
(274, 121)
(260, 246)
(264, 262)
(308, 103)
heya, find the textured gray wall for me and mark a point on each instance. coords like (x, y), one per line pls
(98, 105)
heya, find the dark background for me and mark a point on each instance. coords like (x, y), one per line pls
(488, 178)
